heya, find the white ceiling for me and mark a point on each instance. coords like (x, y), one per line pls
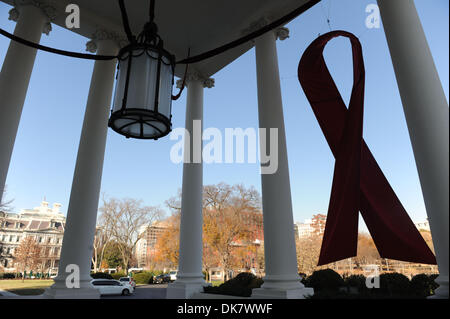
(201, 25)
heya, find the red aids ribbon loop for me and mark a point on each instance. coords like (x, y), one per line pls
(358, 182)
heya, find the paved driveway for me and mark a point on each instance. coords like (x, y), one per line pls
(144, 292)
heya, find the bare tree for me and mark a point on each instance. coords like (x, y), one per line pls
(101, 240)
(308, 251)
(174, 203)
(123, 218)
(217, 197)
(167, 246)
(5, 205)
(27, 255)
(367, 252)
(245, 200)
(223, 224)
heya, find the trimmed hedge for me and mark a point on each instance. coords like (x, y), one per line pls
(145, 277)
(356, 281)
(117, 275)
(423, 285)
(325, 279)
(7, 275)
(101, 275)
(434, 285)
(395, 284)
(327, 285)
(241, 286)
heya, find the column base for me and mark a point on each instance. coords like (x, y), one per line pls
(266, 293)
(59, 291)
(442, 291)
(73, 293)
(185, 288)
(282, 287)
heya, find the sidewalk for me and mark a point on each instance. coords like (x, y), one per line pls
(4, 293)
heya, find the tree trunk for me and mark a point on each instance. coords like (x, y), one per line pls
(102, 254)
(95, 264)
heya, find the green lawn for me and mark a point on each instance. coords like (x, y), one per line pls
(216, 282)
(28, 287)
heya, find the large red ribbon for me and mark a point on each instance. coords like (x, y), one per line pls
(358, 182)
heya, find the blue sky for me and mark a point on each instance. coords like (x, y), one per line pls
(46, 146)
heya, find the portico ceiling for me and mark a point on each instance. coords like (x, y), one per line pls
(200, 25)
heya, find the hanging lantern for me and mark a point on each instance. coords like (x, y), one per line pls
(142, 106)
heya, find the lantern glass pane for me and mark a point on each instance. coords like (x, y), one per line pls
(142, 85)
(165, 89)
(141, 90)
(120, 85)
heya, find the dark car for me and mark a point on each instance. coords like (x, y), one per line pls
(161, 279)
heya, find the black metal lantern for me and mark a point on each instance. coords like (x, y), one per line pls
(142, 105)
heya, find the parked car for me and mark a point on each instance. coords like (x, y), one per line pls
(129, 280)
(161, 279)
(173, 275)
(112, 287)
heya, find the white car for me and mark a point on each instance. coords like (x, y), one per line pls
(112, 287)
(173, 275)
(128, 280)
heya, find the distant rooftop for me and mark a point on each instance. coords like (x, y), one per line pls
(42, 210)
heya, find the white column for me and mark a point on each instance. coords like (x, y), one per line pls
(190, 277)
(15, 77)
(282, 279)
(83, 205)
(427, 116)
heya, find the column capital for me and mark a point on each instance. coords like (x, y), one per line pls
(47, 9)
(281, 33)
(104, 35)
(195, 76)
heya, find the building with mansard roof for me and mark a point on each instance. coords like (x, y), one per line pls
(46, 224)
